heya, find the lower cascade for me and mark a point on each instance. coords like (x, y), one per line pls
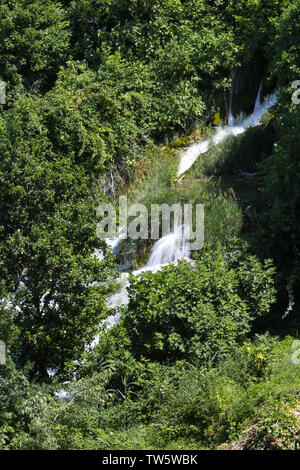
(170, 248)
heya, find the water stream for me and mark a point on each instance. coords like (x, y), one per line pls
(174, 246)
(234, 127)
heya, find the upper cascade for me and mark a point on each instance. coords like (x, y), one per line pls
(235, 126)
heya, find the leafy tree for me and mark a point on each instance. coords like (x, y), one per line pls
(100, 120)
(284, 51)
(253, 22)
(34, 41)
(198, 312)
(48, 234)
(179, 43)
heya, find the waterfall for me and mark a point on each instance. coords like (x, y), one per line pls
(230, 115)
(175, 246)
(192, 154)
(168, 249)
(234, 127)
(171, 247)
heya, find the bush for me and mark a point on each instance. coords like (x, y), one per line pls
(198, 312)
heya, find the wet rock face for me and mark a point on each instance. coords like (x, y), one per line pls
(245, 83)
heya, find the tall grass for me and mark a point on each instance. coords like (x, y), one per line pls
(158, 184)
(236, 153)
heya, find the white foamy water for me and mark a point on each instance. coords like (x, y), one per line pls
(175, 246)
(170, 248)
(235, 127)
(191, 155)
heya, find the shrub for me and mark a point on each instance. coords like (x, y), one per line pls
(198, 312)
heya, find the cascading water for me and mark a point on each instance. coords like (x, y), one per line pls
(171, 247)
(235, 127)
(230, 115)
(191, 155)
(168, 249)
(174, 246)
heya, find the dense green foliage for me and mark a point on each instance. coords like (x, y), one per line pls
(34, 43)
(197, 313)
(102, 96)
(251, 399)
(47, 239)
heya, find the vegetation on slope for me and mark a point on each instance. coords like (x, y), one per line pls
(97, 92)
